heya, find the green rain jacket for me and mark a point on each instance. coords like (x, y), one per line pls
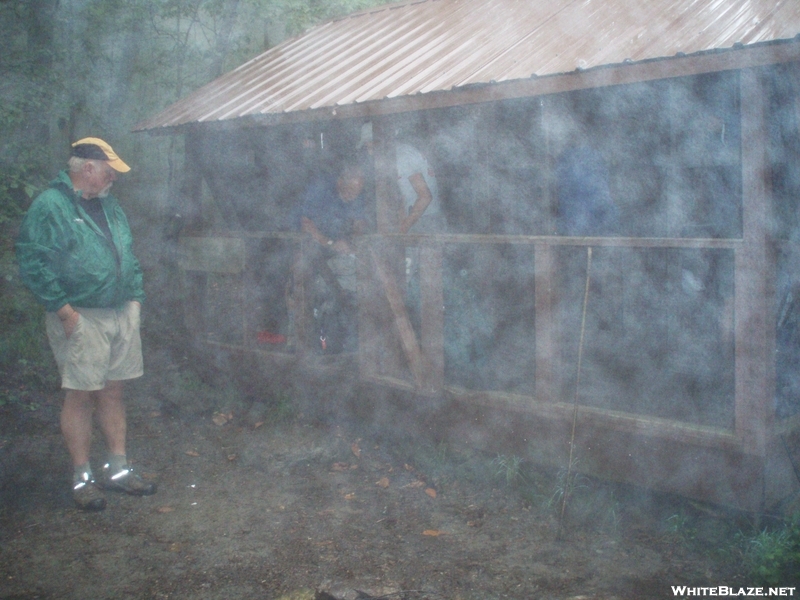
(65, 258)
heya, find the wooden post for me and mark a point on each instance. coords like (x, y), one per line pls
(193, 282)
(191, 188)
(377, 355)
(387, 199)
(754, 280)
(545, 320)
(432, 309)
(300, 307)
(369, 311)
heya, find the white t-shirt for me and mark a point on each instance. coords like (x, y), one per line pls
(411, 161)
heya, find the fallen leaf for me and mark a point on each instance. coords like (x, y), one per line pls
(408, 467)
(350, 496)
(165, 509)
(220, 419)
(383, 482)
(192, 453)
(355, 449)
(175, 547)
(231, 457)
(432, 532)
(340, 466)
(431, 492)
(257, 425)
(416, 484)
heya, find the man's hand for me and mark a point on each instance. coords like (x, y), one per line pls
(69, 318)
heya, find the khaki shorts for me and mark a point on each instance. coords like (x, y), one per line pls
(105, 346)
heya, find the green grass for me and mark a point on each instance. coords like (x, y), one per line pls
(569, 482)
(507, 468)
(282, 408)
(680, 527)
(772, 555)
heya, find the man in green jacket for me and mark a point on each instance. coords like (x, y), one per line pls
(75, 254)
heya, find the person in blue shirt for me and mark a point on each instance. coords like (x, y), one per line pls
(334, 209)
(333, 212)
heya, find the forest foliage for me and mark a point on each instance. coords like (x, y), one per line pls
(73, 66)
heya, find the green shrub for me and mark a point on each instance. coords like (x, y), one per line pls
(25, 358)
(772, 557)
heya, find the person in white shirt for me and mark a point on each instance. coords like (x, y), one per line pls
(417, 182)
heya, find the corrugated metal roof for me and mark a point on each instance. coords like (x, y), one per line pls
(434, 45)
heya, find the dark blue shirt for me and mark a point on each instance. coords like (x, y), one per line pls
(585, 207)
(332, 216)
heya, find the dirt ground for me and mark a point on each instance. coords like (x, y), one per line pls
(299, 508)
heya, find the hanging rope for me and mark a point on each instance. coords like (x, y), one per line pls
(577, 392)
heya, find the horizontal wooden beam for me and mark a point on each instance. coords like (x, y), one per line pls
(618, 421)
(477, 238)
(704, 463)
(555, 240)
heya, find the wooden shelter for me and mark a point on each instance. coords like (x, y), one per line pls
(662, 348)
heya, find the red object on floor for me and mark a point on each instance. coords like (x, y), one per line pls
(267, 337)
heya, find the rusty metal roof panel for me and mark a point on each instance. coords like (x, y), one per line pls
(590, 33)
(433, 45)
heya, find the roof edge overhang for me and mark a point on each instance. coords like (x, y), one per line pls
(708, 61)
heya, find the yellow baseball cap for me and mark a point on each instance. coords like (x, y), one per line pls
(97, 149)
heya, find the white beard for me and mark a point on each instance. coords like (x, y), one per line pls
(104, 192)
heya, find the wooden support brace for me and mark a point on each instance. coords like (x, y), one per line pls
(408, 338)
